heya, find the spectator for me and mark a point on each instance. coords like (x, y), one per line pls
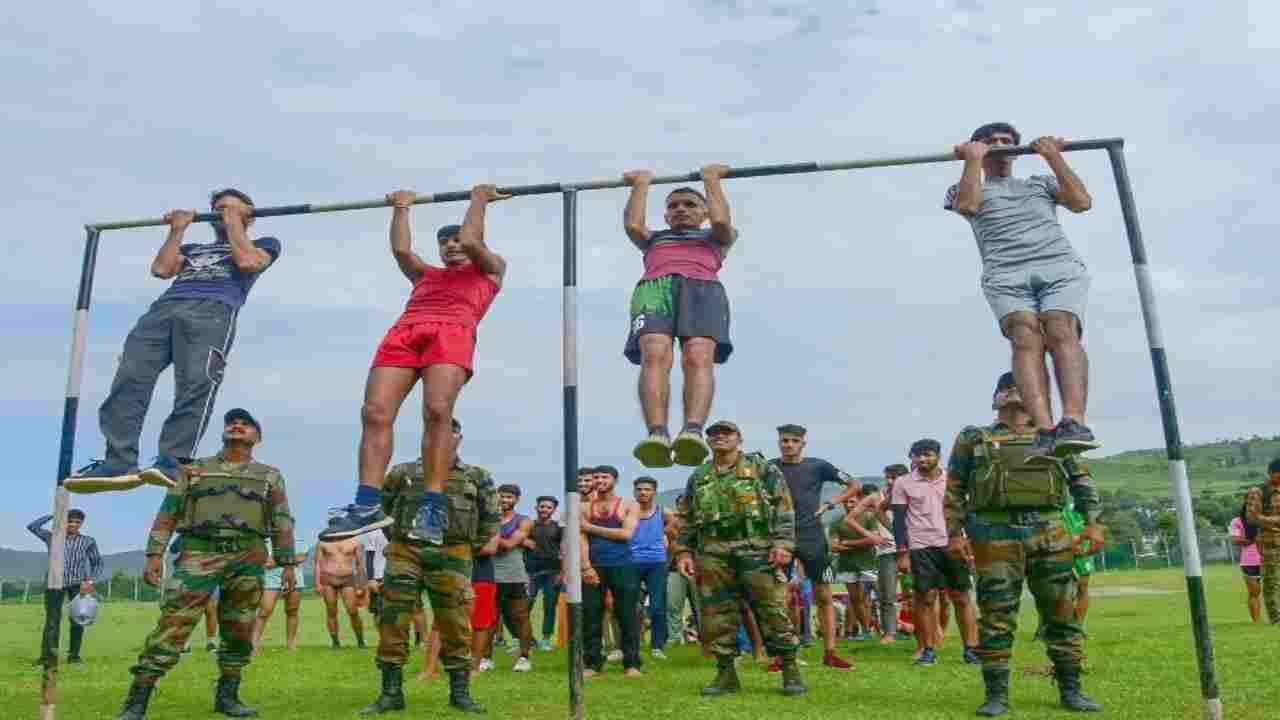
(649, 553)
(82, 565)
(1245, 537)
(886, 558)
(542, 559)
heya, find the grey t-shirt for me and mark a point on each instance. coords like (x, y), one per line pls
(1017, 224)
(805, 480)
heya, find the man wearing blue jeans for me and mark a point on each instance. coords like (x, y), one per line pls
(649, 553)
(542, 558)
(191, 327)
(1034, 280)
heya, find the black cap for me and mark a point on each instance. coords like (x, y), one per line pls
(447, 231)
(1006, 381)
(792, 429)
(241, 414)
(723, 425)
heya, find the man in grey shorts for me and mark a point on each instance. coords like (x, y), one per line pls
(1035, 282)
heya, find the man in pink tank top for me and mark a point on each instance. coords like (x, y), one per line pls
(679, 296)
(434, 340)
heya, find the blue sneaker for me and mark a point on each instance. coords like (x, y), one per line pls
(928, 657)
(165, 473)
(432, 519)
(970, 657)
(101, 476)
(352, 520)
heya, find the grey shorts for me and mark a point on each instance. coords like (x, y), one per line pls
(1063, 287)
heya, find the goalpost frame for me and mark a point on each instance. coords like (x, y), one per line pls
(54, 593)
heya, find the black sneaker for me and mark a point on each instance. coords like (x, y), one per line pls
(1070, 437)
(102, 476)
(1041, 450)
(165, 473)
(352, 520)
(432, 519)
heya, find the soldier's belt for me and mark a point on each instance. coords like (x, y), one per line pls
(740, 530)
(212, 544)
(1020, 516)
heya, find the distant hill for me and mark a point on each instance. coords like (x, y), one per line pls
(27, 565)
(1226, 467)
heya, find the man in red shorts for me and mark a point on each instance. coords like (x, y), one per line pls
(679, 296)
(434, 340)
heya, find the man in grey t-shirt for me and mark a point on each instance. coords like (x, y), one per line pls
(1033, 279)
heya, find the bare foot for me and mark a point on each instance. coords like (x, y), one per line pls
(633, 672)
(425, 676)
(888, 640)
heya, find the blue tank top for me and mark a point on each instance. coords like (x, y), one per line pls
(649, 544)
(605, 552)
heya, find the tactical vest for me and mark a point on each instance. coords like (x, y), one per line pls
(734, 500)
(225, 500)
(1003, 480)
(461, 489)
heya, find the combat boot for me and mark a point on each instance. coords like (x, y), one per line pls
(226, 699)
(791, 682)
(726, 682)
(135, 705)
(392, 697)
(460, 692)
(996, 680)
(1073, 697)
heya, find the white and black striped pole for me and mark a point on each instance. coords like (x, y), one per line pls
(573, 502)
(1212, 702)
(53, 593)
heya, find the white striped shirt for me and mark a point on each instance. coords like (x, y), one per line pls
(82, 559)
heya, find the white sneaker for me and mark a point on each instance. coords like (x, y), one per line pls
(522, 665)
(658, 654)
(615, 656)
(485, 665)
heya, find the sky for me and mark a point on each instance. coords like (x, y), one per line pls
(856, 301)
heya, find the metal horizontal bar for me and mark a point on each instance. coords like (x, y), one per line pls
(552, 188)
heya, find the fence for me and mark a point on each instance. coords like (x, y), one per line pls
(114, 589)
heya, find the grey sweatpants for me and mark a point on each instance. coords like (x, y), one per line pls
(887, 590)
(195, 337)
(680, 588)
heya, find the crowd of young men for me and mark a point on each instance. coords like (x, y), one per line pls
(743, 522)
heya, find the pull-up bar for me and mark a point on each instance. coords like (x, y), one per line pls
(552, 188)
(1179, 482)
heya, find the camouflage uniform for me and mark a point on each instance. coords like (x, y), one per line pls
(1013, 513)
(730, 519)
(1263, 509)
(444, 571)
(224, 512)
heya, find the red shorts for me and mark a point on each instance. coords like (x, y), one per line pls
(484, 611)
(411, 344)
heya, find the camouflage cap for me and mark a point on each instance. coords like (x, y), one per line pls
(792, 429)
(241, 414)
(723, 425)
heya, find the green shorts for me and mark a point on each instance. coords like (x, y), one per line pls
(679, 307)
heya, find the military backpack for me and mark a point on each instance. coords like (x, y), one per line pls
(1003, 480)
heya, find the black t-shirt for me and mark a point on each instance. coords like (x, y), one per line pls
(482, 569)
(805, 480)
(545, 556)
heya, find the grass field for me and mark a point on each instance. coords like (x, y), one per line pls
(1141, 657)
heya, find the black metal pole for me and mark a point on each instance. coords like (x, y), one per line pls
(1212, 702)
(573, 502)
(54, 591)
(549, 188)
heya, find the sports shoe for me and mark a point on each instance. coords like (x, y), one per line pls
(615, 656)
(1071, 437)
(833, 660)
(432, 519)
(928, 657)
(101, 476)
(485, 665)
(658, 654)
(970, 657)
(690, 449)
(352, 520)
(546, 646)
(165, 472)
(1042, 447)
(775, 666)
(211, 646)
(522, 665)
(654, 451)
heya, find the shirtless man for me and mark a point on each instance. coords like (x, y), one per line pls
(339, 571)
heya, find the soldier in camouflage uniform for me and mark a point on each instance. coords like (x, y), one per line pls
(444, 571)
(224, 507)
(736, 517)
(1263, 510)
(1013, 513)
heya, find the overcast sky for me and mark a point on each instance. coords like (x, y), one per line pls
(857, 309)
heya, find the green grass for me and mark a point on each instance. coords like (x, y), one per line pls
(1141, 657)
